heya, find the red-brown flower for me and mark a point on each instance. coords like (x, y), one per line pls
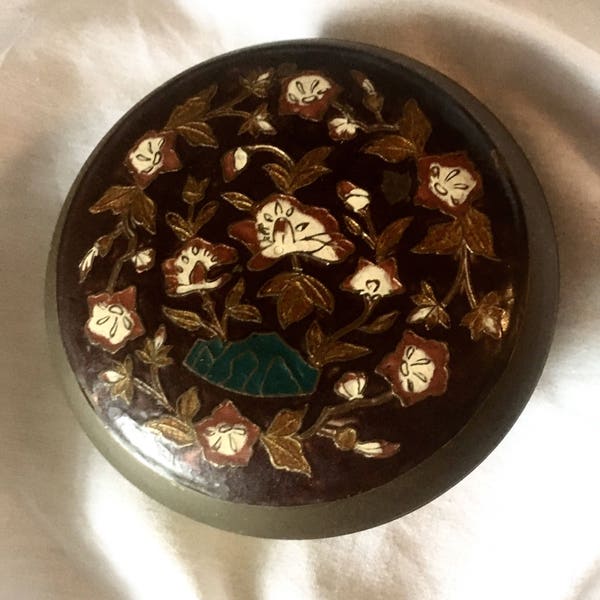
(308, 95)
(113, 319)
(282, 225)
(374, 280)
(227, 437)
(151, 155)
(417, 368)
(448, 182)
(189, 271)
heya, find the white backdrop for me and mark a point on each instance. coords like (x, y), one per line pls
(523, 526)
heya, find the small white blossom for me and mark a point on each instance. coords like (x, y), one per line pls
(87, 261)
(351, 386)
(143, 260)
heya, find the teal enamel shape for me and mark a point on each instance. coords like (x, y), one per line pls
(261, 365)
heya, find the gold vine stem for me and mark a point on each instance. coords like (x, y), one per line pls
(342, 409)
(366, 213)
(226, 110)
(208, 305)
(158, 396)
(129, 253)
(286, 158)
(462, 281)
(368, 307)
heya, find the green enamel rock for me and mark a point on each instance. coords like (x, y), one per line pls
(261, 365)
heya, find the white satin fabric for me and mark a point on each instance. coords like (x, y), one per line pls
(523, 526)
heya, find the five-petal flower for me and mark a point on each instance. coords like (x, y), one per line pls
(227, 437)
(151, 155)
(448, 182)
(374, 281)
(113, 320)
(416, 369)
(308, 95)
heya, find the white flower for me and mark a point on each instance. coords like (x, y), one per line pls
(376, 448)
(342, 128)
(452, 185)
(306, 89)
(369, 448)
(264, 126)
(143, 260)
(226, 439)
(113, 322)
(147, 157)
(374, 280)
(111, 376)
(354, 198)
(368, 87)
(351, 386)
(189, 270)
(284, 228)
(87, 261)
(159, 337)
(416, 370)
(240, 158)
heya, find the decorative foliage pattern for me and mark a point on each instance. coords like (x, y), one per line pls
(277, 258)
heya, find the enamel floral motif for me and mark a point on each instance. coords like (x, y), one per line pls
(282, 257)
(113, 319)
(282, 225)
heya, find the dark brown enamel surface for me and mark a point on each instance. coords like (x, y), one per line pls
(420, 429)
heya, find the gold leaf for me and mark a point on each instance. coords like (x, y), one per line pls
(198, 134)
(179, 225)
(194, 190)
(426, 297)
(477, 232)
(173, 429)
(280, 176)
(286, 453)
(392, 148)
(245, 312)
(238, 200)
(143, 211)
(430, 315)
(206, 213)
(314, 339)
(380, 324)
(185, 319)
(313, 157)
(444, 238)
(286, 422)
(193, 109)
(235, 294)
(116, 199)
(390, 237)
(293, 305)
(343, 351)
(307, 176)
(415, 125)
(188, 404)
(317, 293)
(309, 168)
(104, 244)
(275, 286)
